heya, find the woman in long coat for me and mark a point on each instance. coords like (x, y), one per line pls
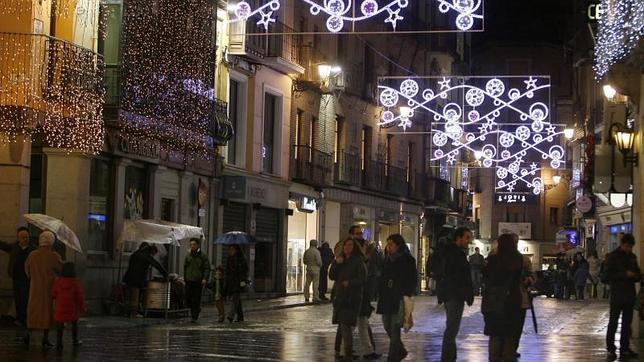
(501, 305)
(235, 281)
(349, 273)
(581, 275)
(42, 266)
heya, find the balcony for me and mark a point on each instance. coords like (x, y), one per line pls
(251, 46)
(433, 191)
(397, 181)
(347, 169)
(310, 166)
(283, 51)
(374, 177)
(53, 88)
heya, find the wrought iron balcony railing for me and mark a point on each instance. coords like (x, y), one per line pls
(397, 181)
(347, 169)
(283, 45)
(51, 87)
(311, 166)
(374, 177)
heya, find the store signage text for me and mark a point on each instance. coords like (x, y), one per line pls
(522, 229)
(595, 11)
(307, 204)
(140, 147)
(518, 198)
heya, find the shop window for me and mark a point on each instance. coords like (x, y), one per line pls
(100, 197)
(135, 193)
(270, 122)
(36, 184)
(233, 116)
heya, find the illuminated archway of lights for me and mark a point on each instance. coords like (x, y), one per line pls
(339, 13)
(506, 120)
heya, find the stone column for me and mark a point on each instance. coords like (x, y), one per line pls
(15, 162)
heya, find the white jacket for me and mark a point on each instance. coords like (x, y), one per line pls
(312, 259)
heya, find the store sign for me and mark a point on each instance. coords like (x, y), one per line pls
(522, 229)
(234, 187)
(518, 198)
(594, 12)
(307, 204)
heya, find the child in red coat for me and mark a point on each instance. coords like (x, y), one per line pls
(68, 303)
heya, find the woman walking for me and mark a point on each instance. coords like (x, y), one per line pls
(397, 287)
(581, 275)
(42, 266)
(501, 305)
(69, 304)
(235, 281)
(349, 273)
(593, 273)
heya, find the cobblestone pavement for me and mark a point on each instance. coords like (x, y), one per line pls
(568, 331)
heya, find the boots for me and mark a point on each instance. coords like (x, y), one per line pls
(45, 340)
(76, 341)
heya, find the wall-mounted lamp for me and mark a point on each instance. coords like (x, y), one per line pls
(325, 70)
(556, 179)
(624, 139)
(569, 133)
(609, 91)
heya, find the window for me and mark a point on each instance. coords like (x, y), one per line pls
(410, 161)
(167, 209)
(313, 135)
(268, 148)
(337, 138)
(100, 199)
(233, 115)
(388, 152)
(365, 146)
(36, 197)
(135, 193)
(554, 215)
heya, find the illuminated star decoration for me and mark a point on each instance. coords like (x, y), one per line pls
(510, 127)
(341, 12)
(266, 19)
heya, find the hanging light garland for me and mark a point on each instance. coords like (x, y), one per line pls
(340, 13)
(168, 63)
(619, 29)
(51, 90)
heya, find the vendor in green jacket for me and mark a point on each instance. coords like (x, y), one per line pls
(196, 271)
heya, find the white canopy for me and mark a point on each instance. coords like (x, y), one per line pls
(157, 232)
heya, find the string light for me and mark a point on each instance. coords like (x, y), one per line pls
(52, 90)
(504, 121)
(618, 31)
(340, 13)
(167, 77)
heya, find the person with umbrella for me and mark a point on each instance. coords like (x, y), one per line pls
(235, 281)
(18, 253)
(196, 273)
(137, 273)
(41, 268)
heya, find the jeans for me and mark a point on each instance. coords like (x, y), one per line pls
(392, 325)
(454, 313)
(626, 310)
(517, 339)
(21, 299)
(477, 276)
(236, 307)
(312, 277)
(363, 332)
(346, 333)
(193, 298)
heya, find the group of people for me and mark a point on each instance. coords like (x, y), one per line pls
(574, 275)
(46, 291)
(227, 282)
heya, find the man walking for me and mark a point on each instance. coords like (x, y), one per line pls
(18, 253)
(196, 271)
(327, 258)
(313, 262)
(622, 273)
(454, 288)
(477, 262)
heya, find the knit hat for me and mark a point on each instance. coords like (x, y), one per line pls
(46, 238)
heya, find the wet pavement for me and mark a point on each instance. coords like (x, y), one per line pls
(568, 331)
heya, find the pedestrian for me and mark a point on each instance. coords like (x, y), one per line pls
(501, 304)
(41, 267)
(136, 275)
(527, 279)
(235, 278)
(349, 273)
(218, 291)
(69, 304)
(622, 272)
(313, 261)
(603, 278)
(371, 259)
(454, 288)
(397, 288)
(594, 265)
(430, 280)
(477, 262)
(196, 271)
(327, 258)
(561, 286)
(581, 275)
(18, 253)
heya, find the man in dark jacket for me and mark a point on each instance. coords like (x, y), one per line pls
(327, 258)
(622, 273)
(136, 276)
(18, 253)
(455, 288)
(196, 271)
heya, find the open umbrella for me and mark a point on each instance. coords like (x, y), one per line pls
(235, 237)
(62, 231)
(157, 232)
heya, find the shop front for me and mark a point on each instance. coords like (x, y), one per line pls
(303, 226)
(387, 223)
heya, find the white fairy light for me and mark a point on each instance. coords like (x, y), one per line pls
(341, 13)
(618, 31)
(503, 121)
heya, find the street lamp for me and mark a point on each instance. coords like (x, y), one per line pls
(569, 133)
(624, 139)
(324, 70)
(609, 91)
(556, 179)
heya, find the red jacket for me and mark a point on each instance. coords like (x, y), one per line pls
(68, 300)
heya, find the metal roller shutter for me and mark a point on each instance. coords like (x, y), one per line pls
(267, 225)
(234, 217)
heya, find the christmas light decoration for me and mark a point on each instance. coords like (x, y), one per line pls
(502, 121)
(51, 90)
(619, 30)
(167, 76)
(343, 14)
